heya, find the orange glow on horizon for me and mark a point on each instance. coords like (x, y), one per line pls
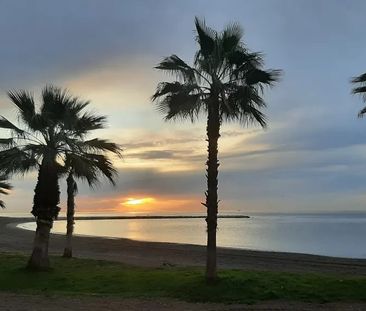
(134, 201)
(139, 203)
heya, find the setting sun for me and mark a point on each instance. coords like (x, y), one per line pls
(134, 201)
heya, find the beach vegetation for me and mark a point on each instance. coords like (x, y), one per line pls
(77, 277)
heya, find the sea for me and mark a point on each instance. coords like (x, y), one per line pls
(338, 235)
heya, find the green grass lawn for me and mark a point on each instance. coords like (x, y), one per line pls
(92, 277)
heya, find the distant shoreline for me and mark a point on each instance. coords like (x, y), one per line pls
(150, 217)
(141, 217)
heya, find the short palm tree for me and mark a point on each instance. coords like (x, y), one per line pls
(86, 162)
(360, 81)
(39, 142)
(4, 188)
(226, 82)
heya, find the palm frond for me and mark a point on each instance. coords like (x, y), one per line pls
(177, 100)
(101, 145)
(231, 37)
(175, 65)
(16, 161)
(362, 112)
(80, 121)
(181, 106)
(243, 61)
(6, 143)
(26, 109)
(243, 104)
(251, 115)
(268, 77)
(166, 88)
(4, 184)
(36, 151)
(359, 90)
(3, 190)
(76, 106)
(90, 166)
(88, 122)
(105, 167)
(6, 124)
(359, 79)
(53, 103)
(25, 103)
(205, 37)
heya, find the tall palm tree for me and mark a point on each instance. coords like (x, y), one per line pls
(86, 162)
(226, 82)
(39, 141)
(360, 81)
(4, 188)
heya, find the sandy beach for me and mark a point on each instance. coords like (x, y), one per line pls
(152, 254)
(155, 254)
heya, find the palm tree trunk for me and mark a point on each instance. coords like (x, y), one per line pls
(70, 214)
(39, 259)
(213, 134)
(45, 209)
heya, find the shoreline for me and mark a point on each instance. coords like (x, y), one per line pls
(16, 225)
(137, 217)
(157, 254)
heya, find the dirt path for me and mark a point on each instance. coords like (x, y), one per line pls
(15, 302)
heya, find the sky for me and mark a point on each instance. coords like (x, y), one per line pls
(312, 156)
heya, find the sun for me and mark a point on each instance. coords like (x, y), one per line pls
(132, 201)
(141, 201)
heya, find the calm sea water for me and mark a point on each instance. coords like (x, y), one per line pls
(341, 235)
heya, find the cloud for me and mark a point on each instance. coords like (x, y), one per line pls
(154, 154)
(310, 158)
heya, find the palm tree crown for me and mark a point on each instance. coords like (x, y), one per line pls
(42, 139)
(223, 70)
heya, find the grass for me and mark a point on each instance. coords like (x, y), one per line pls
(92, 277)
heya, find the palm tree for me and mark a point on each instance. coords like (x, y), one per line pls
(360, 81)
(4, 188)
(39, 141)
(226, 81)
(86, 162)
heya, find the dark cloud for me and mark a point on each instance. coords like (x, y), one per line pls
(152, 181)
(44, 40)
